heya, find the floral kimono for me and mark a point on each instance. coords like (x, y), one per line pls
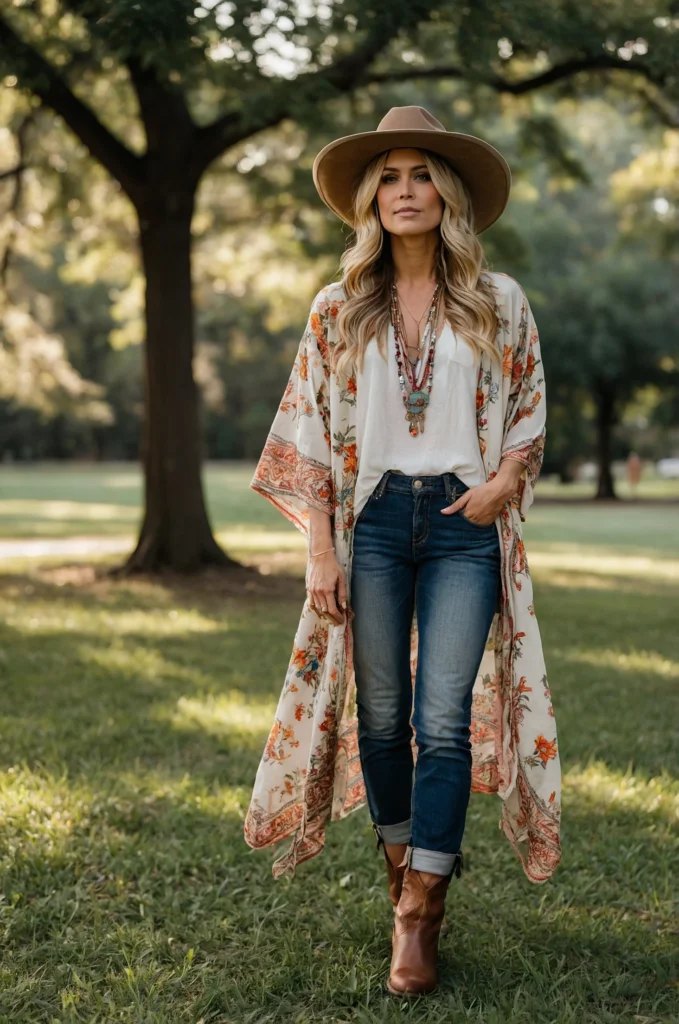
(310, 770)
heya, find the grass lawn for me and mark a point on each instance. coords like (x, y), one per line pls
(132, 718)
(105, 500)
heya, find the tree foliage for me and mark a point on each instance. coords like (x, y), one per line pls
(157, 93)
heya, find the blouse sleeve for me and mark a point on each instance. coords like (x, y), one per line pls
(525, 420)
(294, 469)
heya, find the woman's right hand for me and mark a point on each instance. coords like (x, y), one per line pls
(326, 586)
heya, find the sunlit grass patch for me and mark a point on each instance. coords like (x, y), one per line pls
(254, 539)
(598, 786)
(44, 616)
(226, 714)
(54, 511)
(36, 806)
(637, 663)
(61, 518)
(595, 562)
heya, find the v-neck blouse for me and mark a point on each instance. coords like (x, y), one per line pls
(449, 442)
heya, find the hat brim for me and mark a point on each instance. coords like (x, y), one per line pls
(338, 167)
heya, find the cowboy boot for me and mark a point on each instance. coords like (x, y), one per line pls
(395, 869)
(417, 925)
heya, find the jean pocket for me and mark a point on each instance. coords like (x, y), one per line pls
(479, 526)
(363, 511)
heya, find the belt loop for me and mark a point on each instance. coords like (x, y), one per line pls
(449, 493)
(382, 484)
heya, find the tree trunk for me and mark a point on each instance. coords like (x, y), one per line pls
(605, 420)
(176, 533)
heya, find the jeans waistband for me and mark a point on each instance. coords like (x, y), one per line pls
(443, 483)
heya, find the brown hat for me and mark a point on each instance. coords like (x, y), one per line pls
(339, 165)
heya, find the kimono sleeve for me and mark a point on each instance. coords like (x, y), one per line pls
(526, 413)
(294, 469)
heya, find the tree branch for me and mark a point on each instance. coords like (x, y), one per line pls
(344, 75)
(351, 71)
(596, 62)
(667, 111)
(38, 75)
(14, 172)
(22, 138)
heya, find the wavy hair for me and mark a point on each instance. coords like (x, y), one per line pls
(368, 271)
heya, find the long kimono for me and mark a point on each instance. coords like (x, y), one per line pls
(310, 770)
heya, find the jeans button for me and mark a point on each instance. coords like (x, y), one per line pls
(417, 483)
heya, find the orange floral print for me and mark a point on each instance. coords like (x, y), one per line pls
(350, 459)
(545, 750)
(317, 325)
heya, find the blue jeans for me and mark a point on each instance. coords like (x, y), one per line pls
(406, 556)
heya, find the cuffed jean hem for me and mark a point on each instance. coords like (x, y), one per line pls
(434, 861)
(393, 834)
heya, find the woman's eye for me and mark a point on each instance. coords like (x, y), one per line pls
(387, 179)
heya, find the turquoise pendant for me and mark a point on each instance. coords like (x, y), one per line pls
(417, 401)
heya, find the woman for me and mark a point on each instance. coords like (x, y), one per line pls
(406, 448)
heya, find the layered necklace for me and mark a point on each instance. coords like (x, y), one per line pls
(415, 392)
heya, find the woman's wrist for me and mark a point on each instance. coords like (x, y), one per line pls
(320, 531)
(323, 551)
(506, 481)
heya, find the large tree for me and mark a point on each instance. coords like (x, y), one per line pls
(204, 79)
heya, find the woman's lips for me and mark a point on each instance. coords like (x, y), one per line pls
(407, 213)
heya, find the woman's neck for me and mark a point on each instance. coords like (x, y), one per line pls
(414, 258)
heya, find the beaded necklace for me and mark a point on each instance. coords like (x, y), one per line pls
(416, 397)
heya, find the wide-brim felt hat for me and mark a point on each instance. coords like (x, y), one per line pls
(339, 166)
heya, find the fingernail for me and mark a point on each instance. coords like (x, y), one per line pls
(343, 605)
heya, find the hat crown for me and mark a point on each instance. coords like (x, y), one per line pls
(409, 119)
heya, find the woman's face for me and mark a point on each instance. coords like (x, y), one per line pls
(407, 201)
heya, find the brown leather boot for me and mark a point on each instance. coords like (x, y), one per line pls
(395, 871)
(417, 925)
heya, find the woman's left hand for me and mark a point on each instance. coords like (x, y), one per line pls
(481, 504)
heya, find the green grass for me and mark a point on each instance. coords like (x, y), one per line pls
(132, 718)
(105, 500)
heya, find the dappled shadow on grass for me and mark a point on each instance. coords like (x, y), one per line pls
(145, 877)
(122, 839)
(88, 656)
(121, 703)
(627, 712)
(129, 673)
(84, 583)
(612, 661)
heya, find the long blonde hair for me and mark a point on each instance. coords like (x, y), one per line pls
(368, 271)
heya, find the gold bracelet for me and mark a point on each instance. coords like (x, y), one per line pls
(321, 552)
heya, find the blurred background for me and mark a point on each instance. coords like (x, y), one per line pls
(160, 243)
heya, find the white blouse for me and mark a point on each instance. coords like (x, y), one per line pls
(449, 443)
